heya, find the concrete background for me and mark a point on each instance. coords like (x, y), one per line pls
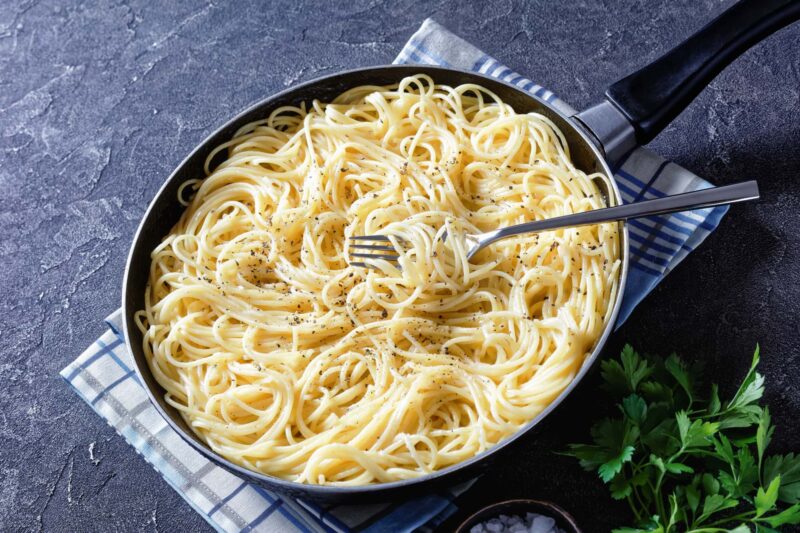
(99, 101)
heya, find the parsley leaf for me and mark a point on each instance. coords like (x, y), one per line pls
(752, 388)
(625, 375)
(614, 464)
(787, 467)
(678, 371)
(787, 516)
(685, 459)
(765, 500)
(634, 408)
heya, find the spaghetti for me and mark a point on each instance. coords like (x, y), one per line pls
(285, 359)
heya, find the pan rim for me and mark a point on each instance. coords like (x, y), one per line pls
(322, 491)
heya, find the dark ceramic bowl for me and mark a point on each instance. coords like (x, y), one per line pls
(519, 507)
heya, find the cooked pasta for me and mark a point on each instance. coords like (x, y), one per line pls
(289, 361)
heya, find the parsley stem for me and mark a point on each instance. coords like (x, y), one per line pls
(657, 494)
(639, 498)
(634, 508)
(747, 515)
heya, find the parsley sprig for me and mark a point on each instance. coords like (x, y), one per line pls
(688, 461)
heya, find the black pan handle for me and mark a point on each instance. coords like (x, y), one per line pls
(652, 97)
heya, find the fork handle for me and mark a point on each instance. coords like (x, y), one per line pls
(728, 194)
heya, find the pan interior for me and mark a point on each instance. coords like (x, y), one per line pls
(165, 210)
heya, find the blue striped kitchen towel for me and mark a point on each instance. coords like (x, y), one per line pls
(103, 375)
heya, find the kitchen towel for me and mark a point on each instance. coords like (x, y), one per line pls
(104, 377)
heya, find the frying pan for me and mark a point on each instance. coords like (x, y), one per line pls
(633, 112)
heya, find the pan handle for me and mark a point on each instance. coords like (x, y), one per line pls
(652, 97)
(649, 99)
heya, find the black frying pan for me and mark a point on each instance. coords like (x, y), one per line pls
(634, 111)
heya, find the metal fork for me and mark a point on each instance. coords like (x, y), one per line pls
(728, 194)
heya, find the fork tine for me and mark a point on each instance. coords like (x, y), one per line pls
(373, 247)
(373, 266)
(369, 238)
(361, 250)
(365, 265)
(375, 256)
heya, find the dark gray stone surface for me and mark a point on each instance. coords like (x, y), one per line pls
(98, 102)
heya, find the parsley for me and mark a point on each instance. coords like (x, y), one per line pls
(688, 461)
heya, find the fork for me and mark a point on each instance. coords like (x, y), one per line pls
(728, 194)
